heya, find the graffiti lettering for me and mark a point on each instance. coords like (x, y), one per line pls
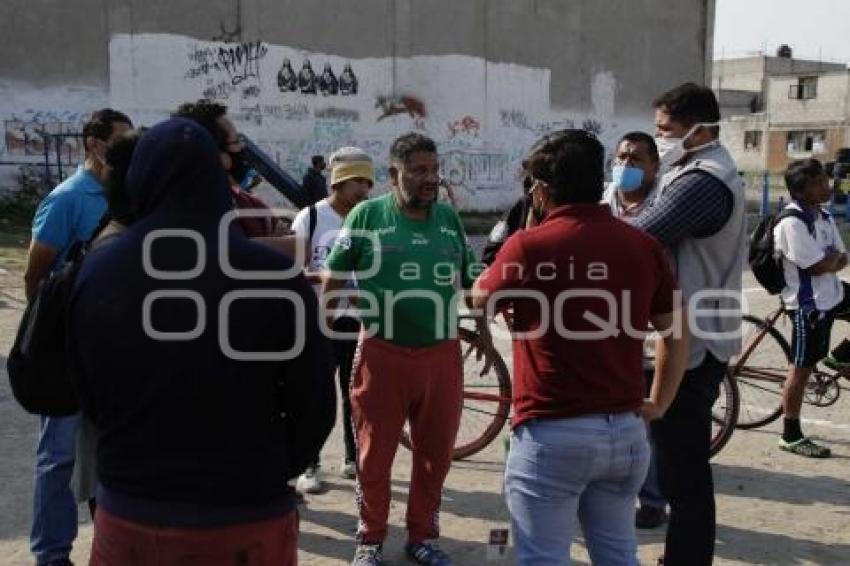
(466, 125)
(592, 126)
(514, 119)
(252, 91)
(242, 61)
(338, 114)
(239, 62)
(332, 129)
(219, 91)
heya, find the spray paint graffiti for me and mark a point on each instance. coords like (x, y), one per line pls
(307, 78)
(514, 119)
(343, 114)
(225, 68)
(34, 138)
(592, 126)
(465, 126)
(239, 62)
(307, 82)
(328, 83)
(475, 169)
(242, 61)
(339, 130)
(404, 104)
(252, 91)
(287, 81)
(348, 81)
(296, 103)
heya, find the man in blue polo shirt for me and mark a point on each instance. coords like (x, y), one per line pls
(68, 214)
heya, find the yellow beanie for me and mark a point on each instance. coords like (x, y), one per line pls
(352, 170)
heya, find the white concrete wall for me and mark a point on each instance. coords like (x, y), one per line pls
(484, 78)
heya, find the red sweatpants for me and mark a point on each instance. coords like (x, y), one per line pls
(118, 542)
(393, 384)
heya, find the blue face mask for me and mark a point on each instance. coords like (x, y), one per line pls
(626, 178)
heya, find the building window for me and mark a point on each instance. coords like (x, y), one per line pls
(752, 140)
(807, 141)
(805, 89)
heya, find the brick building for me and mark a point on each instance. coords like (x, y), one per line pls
(777, 109)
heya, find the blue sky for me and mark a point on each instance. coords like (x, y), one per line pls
(810, 27)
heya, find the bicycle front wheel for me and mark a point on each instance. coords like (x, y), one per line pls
(761, 376)
(724, 413)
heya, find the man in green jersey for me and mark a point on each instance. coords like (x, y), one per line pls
(410, 256)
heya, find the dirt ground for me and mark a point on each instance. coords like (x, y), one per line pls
(772, 507)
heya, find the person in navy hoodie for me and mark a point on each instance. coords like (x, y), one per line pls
(197, 436)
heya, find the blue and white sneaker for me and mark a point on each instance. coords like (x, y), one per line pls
(428, 553)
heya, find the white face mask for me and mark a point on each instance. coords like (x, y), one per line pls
(672, 150)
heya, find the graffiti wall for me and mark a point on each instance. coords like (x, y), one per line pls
(484, 115)
(296, 104)
(43, 121)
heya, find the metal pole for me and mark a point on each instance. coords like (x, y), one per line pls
(57, 140)
(44, 139)
(765, 194)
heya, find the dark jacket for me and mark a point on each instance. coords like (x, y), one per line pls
(190, 435)
(315, 186)
(513, 220)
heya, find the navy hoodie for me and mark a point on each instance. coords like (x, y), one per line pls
(188, 435)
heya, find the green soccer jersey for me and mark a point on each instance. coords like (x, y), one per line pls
(408, 271)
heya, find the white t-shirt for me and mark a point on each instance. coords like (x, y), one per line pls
(611, 198)
(328, 225)
(799, 250)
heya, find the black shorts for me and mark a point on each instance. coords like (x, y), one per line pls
(811, 331)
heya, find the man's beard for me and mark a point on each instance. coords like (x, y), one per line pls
(413, 201)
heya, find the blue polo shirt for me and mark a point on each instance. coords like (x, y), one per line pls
(69, 213)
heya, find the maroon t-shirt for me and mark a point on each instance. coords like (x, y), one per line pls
(599, 281)
(252, 226)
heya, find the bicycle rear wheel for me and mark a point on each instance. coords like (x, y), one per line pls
(724, 413)
(762, 375)
(486, 396)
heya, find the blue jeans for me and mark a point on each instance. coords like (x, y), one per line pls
(590, 467)
(54, 524)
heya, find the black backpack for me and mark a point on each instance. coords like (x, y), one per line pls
(38, 363)
(766, 268)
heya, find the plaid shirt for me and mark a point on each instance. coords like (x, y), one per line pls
(695, 205)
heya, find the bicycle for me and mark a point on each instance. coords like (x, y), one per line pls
(761, 368)
(487, 399)
(486, 395)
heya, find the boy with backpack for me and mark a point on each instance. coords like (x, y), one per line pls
(352, 177)
(810, 252)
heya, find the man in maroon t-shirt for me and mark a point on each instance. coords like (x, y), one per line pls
(584, 287)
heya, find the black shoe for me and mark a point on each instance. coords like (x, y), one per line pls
(60, 562)
(649, 517)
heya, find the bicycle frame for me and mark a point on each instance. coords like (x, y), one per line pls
(770, 321)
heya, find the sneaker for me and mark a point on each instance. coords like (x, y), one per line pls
(805, 447)
(309, 481)
(648, 517)
(427, 552)
(59, 562)
(348, 470)
(834, 364)
(368, 555)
